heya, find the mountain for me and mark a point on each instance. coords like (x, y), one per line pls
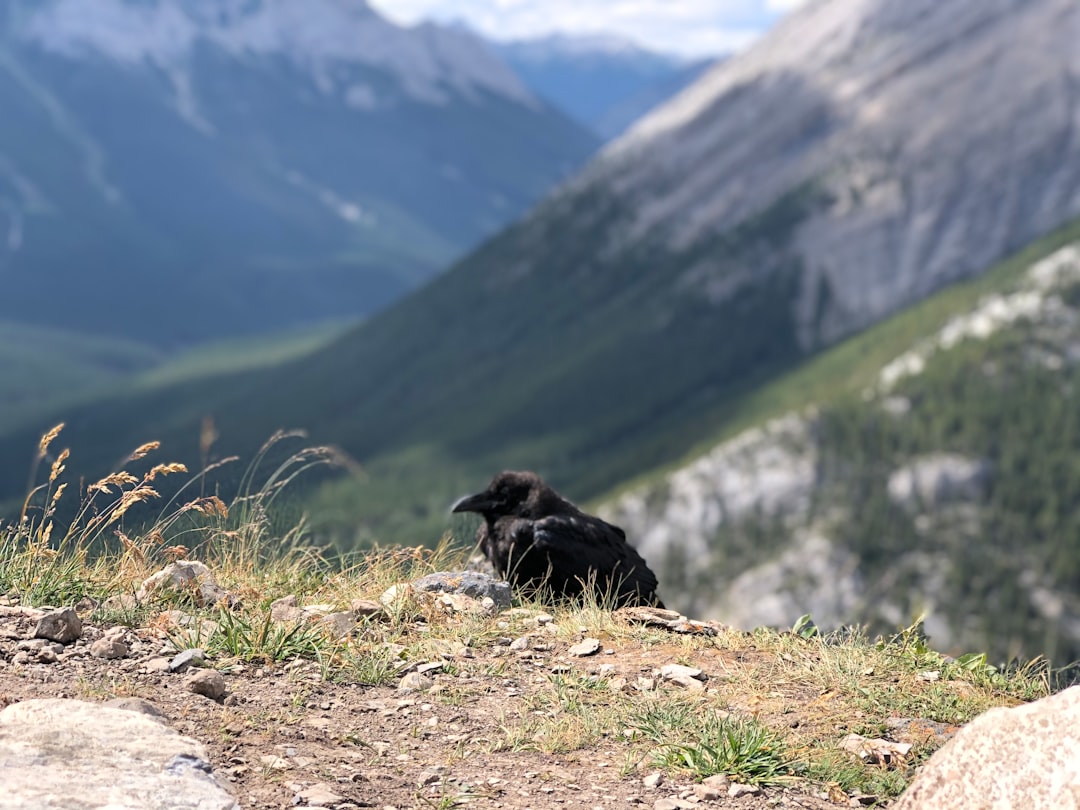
(930, 470)
(862, 156)
(177, 170)
(605, 83)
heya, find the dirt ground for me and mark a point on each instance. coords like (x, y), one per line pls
(283, 737)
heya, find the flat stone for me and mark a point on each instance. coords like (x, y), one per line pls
(186, 659)
(109, 648)
(71, 755)
(415, 682)
(670, 672)
(589, 646)
(320, 795)
(63, 626)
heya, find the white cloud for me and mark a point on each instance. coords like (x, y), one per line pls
(783, 6)
(690, 27)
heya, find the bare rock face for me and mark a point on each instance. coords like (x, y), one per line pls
(70, 755)
(939, 479)
(1007, 758)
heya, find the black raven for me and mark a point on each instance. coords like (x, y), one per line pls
(540, 541)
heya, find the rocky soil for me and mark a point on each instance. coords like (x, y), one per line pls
(283, 736)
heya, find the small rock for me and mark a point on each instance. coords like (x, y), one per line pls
(121, 603)
(707, 793)
(184, 577)
(468, 583)
(156, 664)
(415, 682)
(320, 795)
(368, 609)
(520, 644)
(544, 618)
(690, 684)
(738, 790)
(653, 780)
(339, 624)
(109, 648)
(208, 683)
(671, 804)
(63, 626)
(286, 611)
(429, 776)
(719, 781)
(589, 646)
(187, 659)
(670, 672)
(646, 684)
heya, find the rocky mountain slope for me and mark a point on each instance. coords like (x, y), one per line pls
(177, 169)
(945, 485)
(861, 156)
(605, 83)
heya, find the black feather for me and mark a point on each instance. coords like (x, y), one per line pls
(540, 541)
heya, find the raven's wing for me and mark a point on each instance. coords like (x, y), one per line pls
(584, 548)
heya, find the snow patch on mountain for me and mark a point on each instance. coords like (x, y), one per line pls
(432, 64)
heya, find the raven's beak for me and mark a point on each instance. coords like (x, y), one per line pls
(481, 502)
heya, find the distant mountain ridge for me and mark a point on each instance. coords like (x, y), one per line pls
(251, 165)
(606, 83)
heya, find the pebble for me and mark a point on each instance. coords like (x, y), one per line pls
(653, 780)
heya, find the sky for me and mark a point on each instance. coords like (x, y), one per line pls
(693, 28)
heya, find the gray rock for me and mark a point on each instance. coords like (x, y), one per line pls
(70, 755)
(186, 659)
(469, 583)
(208, 683)
(286, 610)
(186, 577)
(368, 609)
(737, 790)
(415, 682)
(670, 672)
(1007, 758)
(588, 646)
(339, 624)
(109, 648)
(63, 626)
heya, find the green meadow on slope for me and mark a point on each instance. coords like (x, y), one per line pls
(430, 405)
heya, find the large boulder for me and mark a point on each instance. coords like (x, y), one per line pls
(1025, 757)
(71, 755)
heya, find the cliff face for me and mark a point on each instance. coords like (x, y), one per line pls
(940, 134)
(942, 487)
